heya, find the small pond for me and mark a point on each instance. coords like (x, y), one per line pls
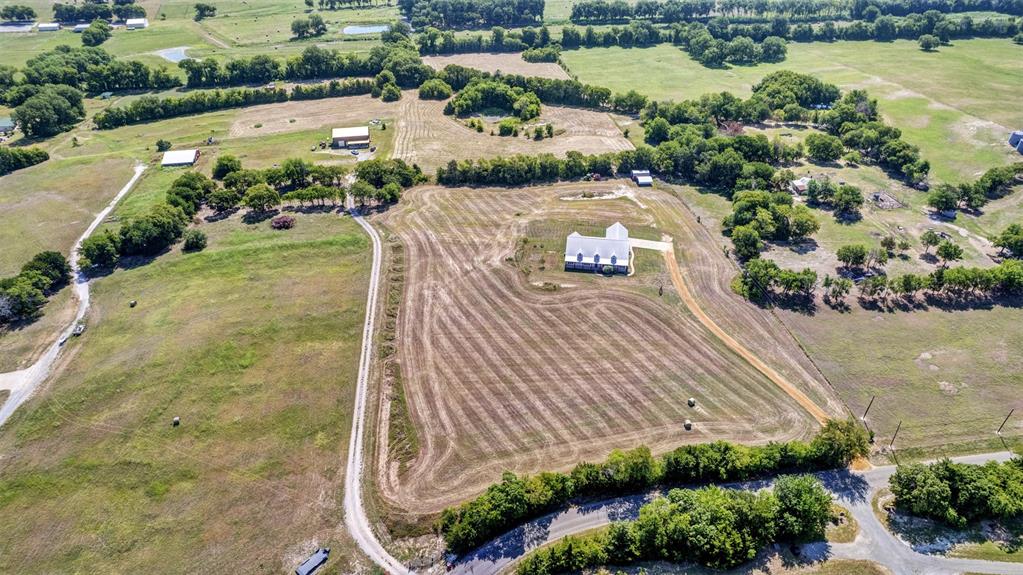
(173, 54)
(364, 29)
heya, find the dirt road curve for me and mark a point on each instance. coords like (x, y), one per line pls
(23, 383)
(355, 513)
(679, 282)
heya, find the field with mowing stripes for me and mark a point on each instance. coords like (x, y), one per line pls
(503, 375)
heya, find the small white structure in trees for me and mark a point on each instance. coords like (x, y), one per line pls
(136, 23)
(49, 27)
(179, 158)
(642, 178)
(799, 186)
(79, 28)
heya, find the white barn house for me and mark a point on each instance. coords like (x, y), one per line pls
(354, 137)
(592, 254)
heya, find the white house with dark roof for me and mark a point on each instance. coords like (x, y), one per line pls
(592, 254)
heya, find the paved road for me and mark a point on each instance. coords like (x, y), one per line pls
(853, 490)
(355, 513)
(23, 383)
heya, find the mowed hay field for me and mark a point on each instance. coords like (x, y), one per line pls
(254, 343)
(504, 63)
(957, 104)
(502, 375)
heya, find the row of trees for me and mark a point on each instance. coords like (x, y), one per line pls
(17, 13)
(23, 296)
(714, 527)
(959, 493)
(456, 14)
(96, 10)
(12, 159)
(515, 499)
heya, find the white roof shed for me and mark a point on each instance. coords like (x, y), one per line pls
(136, 23)
(49, 27)
(180, 158)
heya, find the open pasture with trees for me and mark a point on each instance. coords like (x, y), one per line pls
(510, 375)
(254, 344)
(930, 97)
(511, 63)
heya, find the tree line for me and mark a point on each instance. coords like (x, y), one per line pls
(24, 295)
(758, 11)
(149, 108)
(460, 14)
(516, 499)
(12, 159)
(97, 10)
(484, 94)
(714, 527)
(993, 184)
(958, 494)
(17, 13)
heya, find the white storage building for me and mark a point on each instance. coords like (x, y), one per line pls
(180, 158)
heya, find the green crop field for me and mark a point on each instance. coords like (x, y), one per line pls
(933, 97)
(254, 343)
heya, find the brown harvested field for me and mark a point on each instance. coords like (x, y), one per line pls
(502, 375)
(504, 63)
(426, 136)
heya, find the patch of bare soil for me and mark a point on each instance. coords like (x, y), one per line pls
(502, 376)
(504, 63)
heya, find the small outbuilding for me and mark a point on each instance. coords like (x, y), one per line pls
(49, 27)
(179, 158)
(799, 186)
(642, 178)
(79, 28)
(6, 126)
(313, 562)
(354, 137)
(1015, 138)
(1019, 146)
(136, 23)
(593, 254)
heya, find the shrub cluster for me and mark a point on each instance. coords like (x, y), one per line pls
(714, 527)
(958, 493)
(490, 94)
(515, 499)
(546, 54)
(22, 296)
(94, 70)
(12, 159)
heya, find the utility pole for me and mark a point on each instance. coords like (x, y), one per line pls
(892, 443)
(1006, 420)
(866, 411)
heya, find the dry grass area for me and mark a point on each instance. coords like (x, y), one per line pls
(48, 206)
(501, 374)
(254, 342)
(424, 135)
(304, 115)
(429, 138)
(504, 63)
